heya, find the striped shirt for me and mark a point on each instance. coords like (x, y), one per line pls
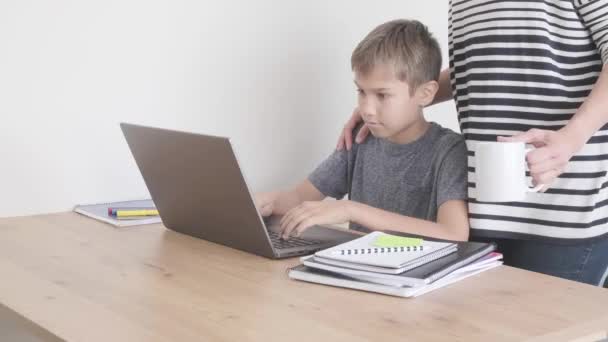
(517, 65)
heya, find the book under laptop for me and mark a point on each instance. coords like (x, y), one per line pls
(199, 189)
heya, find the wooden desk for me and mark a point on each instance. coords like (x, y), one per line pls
(86, 281)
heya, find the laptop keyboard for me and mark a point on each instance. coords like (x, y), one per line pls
(291, 242)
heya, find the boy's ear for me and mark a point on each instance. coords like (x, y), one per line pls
(426, 93)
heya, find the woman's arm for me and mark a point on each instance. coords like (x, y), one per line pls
(444, 93)
(555, 148)
(591, 115)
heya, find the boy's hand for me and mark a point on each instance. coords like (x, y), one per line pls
(312, 213)
(346, 137)
(265, 203)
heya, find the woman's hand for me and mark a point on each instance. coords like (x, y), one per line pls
(553, 151)
(346, 137)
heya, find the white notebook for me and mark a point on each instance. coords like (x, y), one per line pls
(365, 251)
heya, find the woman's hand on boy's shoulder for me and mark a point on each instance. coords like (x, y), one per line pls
(312, 213)
(346, 136)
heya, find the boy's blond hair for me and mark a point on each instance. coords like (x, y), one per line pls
(405, 45)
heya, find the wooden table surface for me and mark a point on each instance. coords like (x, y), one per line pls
(83, 280)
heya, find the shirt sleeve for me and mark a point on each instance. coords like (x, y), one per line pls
(452, 175)
(331, 176)
(594, 15)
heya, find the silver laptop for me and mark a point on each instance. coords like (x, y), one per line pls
(198, 188)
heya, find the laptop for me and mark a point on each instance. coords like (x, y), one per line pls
(198, 188)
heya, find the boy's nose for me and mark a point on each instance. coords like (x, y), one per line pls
(367, 110)
(368, 115)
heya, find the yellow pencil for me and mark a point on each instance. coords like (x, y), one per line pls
(138, 212)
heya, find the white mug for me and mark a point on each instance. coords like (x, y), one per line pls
(500, 172)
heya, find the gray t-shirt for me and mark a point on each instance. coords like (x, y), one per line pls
(410, 179)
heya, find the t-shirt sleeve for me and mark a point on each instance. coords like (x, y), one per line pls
(331, 176)
(452, 174)
(594, 15)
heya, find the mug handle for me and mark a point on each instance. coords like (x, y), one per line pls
(536, 188)
(539, 186)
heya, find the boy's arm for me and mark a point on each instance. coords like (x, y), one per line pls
(330, 178)
(452, 221)
(280, 202)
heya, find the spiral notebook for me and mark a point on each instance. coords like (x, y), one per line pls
(388, 270)
(425, 273)
(385, 258)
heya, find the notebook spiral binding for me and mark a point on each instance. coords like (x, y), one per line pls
(377, 250)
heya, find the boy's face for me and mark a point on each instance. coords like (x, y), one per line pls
(386, 106)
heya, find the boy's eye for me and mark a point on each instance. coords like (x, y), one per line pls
(381, 96)
(360, 92)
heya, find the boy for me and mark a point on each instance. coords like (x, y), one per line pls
(411, 176)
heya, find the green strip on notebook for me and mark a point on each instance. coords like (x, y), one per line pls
(387, 240)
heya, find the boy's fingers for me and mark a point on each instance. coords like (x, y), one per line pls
(300, 228)
(288, 220)
(302, 216)
(266, 209)
(288, 228)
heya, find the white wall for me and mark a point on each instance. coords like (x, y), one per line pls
(274, 75)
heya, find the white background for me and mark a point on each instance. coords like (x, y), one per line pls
(273, 75)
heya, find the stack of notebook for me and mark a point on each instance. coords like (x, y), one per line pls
(396, 265)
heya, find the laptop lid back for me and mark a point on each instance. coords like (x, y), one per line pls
(197, 186)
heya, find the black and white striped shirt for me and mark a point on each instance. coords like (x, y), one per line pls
(517, 65)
